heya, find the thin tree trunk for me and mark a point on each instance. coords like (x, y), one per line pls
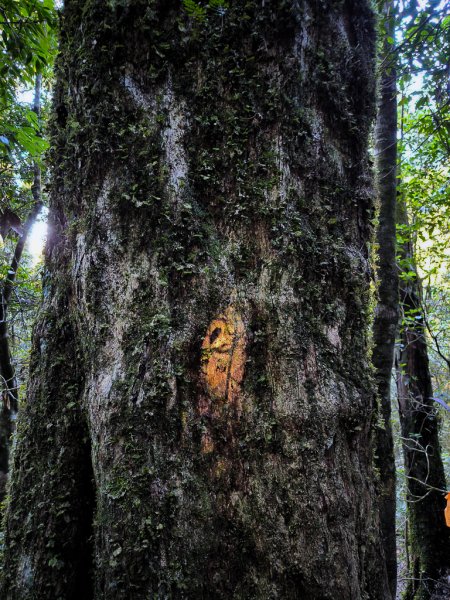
(198, 422)
(386, 315)
(428, 537)
(10, 393)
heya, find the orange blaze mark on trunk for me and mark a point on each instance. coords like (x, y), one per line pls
(223, 357)
(223, 363)
(447, 510)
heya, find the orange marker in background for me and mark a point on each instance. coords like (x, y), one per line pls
(447, 510)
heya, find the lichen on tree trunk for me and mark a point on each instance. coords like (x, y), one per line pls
(210, 173)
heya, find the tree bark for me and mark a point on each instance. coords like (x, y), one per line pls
(198, 422)
(428, 536)
(387, 310)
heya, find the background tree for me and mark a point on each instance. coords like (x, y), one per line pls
(199, 410)
(26, 51)
(423, 48)
(387, 309)
(10, 220)
(428, 537)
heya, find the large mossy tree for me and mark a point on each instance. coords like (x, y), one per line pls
(200, 411)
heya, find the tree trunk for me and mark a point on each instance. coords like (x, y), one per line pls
(386, 314)
(198, 422)
(428, 536)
